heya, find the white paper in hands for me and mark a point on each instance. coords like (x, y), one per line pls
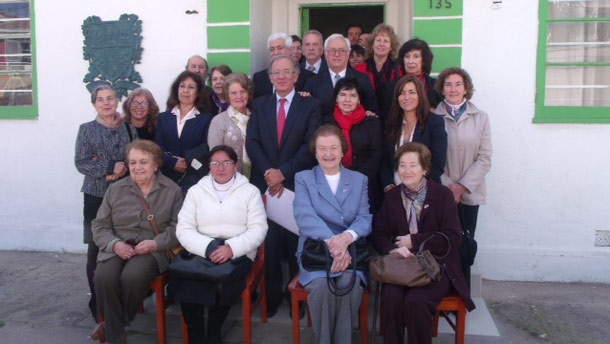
(279, 210)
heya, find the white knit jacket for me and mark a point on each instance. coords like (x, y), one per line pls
(240, 218)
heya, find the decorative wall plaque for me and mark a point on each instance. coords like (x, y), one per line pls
(112, 49)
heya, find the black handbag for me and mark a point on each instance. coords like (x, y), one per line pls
(315, 257)
(468, 247)
(193, 267)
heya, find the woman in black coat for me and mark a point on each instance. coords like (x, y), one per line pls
(410, 120)
(414, 58)
(362, 132)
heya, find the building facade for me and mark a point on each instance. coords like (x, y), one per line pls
(548, 191)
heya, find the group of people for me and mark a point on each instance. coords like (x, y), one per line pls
(380, 149)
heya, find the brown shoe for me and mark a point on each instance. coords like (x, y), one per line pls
(99, 333)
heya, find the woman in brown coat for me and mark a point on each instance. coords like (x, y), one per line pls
(411, 213)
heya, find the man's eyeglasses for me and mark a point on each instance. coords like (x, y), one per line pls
(285, 72)
(337, 51)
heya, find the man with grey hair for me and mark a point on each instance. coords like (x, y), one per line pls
(198, 65)
(278, 44)
(277, 141)
(313, 51)
(321, 86)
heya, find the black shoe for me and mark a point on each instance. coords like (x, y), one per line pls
(272, 310)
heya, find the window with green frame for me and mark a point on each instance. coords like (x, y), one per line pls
(17, 60)
(573, 67)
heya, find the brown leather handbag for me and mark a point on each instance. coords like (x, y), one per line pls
(416, 271)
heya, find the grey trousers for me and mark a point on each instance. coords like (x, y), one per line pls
(121, 286)
(333, 317)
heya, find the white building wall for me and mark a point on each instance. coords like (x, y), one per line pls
(40, 198)
(548, 187)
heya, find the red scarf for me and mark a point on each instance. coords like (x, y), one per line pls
(346, 123)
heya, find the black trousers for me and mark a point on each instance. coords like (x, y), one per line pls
(194, 318)
(279, 243)
(91, 205)
(413, 308)
(468, 219)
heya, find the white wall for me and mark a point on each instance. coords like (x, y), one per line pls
(548, 187)
(40, 198)
(260, 30)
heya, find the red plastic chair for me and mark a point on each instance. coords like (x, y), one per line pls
(454, 304)
(158, 286)
(298, 294)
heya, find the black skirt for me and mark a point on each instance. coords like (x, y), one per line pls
(209, 293)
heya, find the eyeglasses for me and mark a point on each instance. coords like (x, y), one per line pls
(285, 72)
(217, 164)
(139, 104)
(335, 51)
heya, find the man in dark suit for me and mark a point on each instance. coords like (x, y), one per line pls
(279, 44)
(277, 141)
(322, 85)
(313, 51)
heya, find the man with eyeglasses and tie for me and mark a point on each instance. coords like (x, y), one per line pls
(278, 44)
(321, 86)
(277, 141)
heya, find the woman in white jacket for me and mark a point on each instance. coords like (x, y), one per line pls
(223, 218)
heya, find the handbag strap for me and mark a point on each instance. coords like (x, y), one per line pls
(465, 231)
(150, 217)
(332, 283)
(421, 246)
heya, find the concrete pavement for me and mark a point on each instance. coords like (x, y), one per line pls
(43, 299)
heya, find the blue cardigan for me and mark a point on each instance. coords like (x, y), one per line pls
(320, 214)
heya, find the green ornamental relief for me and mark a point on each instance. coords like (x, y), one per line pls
(112, 49)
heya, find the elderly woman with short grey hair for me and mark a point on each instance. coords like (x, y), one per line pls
(99, 156)
(229, 127)
(134, 228)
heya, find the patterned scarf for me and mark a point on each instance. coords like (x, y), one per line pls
(346, 123)
(455, 111)
(241, 121)
(412, 201)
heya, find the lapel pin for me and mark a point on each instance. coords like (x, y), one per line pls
(425, 206)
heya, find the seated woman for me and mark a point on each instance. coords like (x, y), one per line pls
(411, 121)
(331, 203)
(182, 131)
(141, 110)
(131, 254)
(229, 127)
(411, 213)
(223, 218)
(217, 98)
(363, 135)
